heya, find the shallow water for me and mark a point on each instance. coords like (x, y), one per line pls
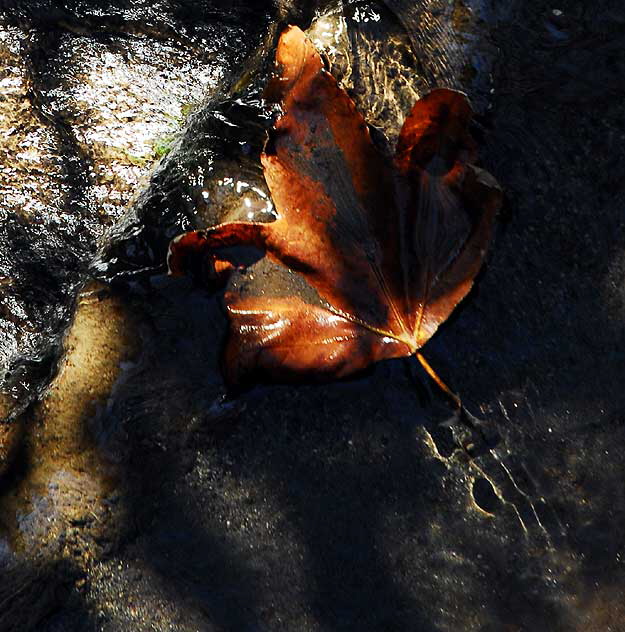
(139, 499)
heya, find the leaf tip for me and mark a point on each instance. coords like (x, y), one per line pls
(182, 251)
(296, 60)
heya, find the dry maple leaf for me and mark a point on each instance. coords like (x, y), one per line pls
(383, 249)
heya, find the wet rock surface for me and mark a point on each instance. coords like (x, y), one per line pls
(92, 97)
(137, 498)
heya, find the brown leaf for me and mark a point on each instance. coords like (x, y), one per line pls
(383, 252)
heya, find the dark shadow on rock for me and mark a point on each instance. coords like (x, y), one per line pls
(146, 432)
(375, 515)
(41, 596)
(338, 467)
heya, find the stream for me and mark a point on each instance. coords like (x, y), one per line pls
(136, 495)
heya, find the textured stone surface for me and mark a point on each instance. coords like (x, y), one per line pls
(91, 98)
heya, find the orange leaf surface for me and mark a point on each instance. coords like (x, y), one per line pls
(384, 250)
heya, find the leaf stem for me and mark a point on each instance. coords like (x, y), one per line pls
(432, 373)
